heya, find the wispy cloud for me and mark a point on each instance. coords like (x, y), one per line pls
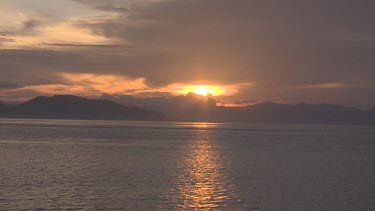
(333, 85)
(46, 31)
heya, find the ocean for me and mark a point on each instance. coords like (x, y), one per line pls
(115, 165)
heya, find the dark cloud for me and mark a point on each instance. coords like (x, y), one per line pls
(2, 39)
(31, 24)
(285, 42)
(115, 6)
(8, 85)
(6, 31)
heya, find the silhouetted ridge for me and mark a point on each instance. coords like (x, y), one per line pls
(73, 107)
(371, 115)
(3, 108)
(191, 107)
(269, 112)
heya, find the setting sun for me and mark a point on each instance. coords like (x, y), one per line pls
(203, 90)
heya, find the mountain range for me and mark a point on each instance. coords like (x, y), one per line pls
(186, 108)
(269, 112)
(73, 107)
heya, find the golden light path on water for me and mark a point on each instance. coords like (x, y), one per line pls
(202, 184)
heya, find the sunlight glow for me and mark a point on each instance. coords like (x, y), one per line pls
(203, 90)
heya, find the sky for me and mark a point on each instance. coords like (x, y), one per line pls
(314, 51)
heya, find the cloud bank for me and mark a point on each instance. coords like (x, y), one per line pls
(290, 51)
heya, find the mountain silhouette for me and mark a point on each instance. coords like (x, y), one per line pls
(269, 112)
(191, 107)
(73, 107)
(3, 108)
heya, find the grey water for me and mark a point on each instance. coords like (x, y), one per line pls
(114, 165)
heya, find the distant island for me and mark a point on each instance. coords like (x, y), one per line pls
(73, 107)
(186, 108)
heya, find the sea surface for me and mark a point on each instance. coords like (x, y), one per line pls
(114, 165)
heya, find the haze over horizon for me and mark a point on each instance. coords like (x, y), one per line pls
(240, 51)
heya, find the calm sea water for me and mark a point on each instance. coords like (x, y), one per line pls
(64, 164)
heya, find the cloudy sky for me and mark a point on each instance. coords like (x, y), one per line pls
(317, 51)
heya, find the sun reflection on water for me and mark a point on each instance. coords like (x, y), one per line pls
(202, 183)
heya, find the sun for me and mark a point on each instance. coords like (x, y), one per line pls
(203, 90)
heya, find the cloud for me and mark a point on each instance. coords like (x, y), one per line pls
(89, 85)
(96, 85)
(277, 45)
(286, 42)
(63, 33)
(31, 24)
(77, 45)
(8, 85)
(111, 84)
(334, 85)
(114, 6)
(5, 40)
